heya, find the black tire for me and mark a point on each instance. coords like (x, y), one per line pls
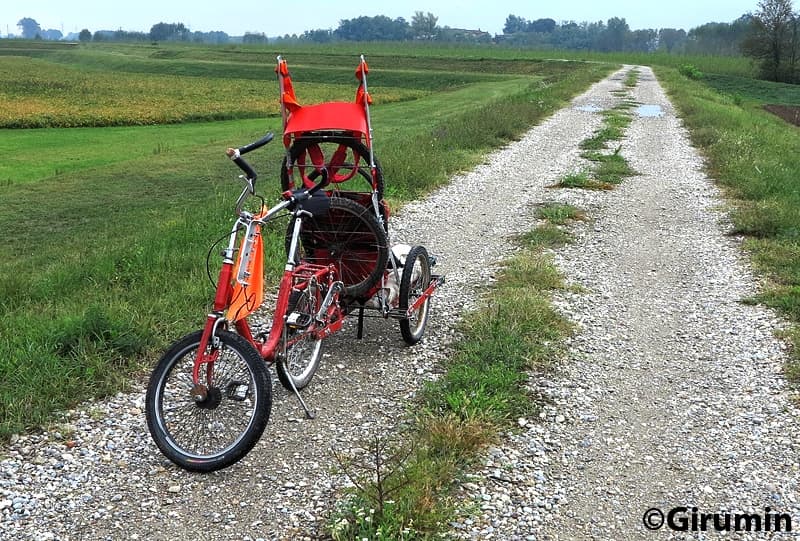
(414, 281)
(355, 161)
(300, 361)
(350, 237)
(218, 431)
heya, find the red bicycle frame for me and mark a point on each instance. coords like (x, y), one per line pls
(296, 277)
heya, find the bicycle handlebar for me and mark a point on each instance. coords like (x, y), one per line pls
(235, 154)
(257, 144)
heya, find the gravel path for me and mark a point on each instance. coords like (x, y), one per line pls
(671, 393)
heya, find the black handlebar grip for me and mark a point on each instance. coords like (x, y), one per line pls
(257, 144)
(244, 166)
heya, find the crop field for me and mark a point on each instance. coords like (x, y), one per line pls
(115, 185)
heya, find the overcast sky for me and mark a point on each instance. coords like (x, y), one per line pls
(290, 17)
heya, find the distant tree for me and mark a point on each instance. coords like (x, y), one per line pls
(719, 38)
(378, 28)
(29, 28)
(644, 40)
(571, 35)
(253, 38)
(85, 36)
(317, 36)
(545, 26)
(424, 25)
(124, 35)
(671, 38)
(515, 24)
(169, 32)
(773, 40)
(613, 37)
(51, 35)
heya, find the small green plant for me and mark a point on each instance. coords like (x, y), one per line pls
(546, 236)
(611, 168)
(560, 213)
(583, 181)
(690, 71)
(402, 490)
(632, 78)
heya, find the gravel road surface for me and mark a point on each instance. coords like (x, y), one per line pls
(671, 393)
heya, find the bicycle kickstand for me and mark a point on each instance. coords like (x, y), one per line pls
(309, 413)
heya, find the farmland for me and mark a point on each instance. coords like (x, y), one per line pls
(115, 186)
(113, 200)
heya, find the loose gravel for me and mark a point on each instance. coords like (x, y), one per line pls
(671, 393)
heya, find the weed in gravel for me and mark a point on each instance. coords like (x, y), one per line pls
(546, 236)
(560, 213)
(632, 79)
(611, 168)
(581, 180)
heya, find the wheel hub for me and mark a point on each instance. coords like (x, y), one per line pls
(206, 398)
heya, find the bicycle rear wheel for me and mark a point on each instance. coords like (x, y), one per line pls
(218, 430)
(300, 360)
(349, 237)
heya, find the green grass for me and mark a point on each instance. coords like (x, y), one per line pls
(581, 180)
(481, 393)
(755, 156)
(744, 89)
(105, 230)
(611, 168)
(560, 213)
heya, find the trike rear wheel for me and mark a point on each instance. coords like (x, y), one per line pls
(213, 424)
(414, 281)
(348, 236)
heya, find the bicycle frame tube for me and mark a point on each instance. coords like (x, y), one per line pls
(222, 297)
(221, 301)
(270, 345)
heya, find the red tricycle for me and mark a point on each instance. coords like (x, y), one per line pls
(210, 395)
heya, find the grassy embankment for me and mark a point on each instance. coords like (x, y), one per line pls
(755, 156)
(105, 229)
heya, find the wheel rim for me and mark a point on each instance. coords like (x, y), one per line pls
(344, 238)
(345, 157)
(301, 357)
(421, 277)
(200, 430)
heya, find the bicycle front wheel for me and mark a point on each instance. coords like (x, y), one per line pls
(211, 426)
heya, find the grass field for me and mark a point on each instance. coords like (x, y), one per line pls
(106, 228)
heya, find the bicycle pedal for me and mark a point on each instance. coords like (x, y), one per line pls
(298, 320)
(237, 390)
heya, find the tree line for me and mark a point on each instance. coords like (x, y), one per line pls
(771, 35)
